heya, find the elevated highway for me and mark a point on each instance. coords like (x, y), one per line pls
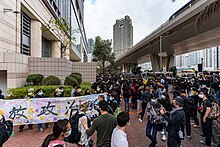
(176, 36)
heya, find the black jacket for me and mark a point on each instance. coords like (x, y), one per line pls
(176, 121)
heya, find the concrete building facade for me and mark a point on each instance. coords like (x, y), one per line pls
(22, 38)
(122, 35)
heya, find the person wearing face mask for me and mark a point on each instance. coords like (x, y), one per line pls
(176, 120)
(119, 138)
(61, 130)
(76, 92)
(29, 96)
(154, 120)
(40, 94)
(206, 122)
(87, 92)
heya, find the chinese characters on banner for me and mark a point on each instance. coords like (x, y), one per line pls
(44, 110)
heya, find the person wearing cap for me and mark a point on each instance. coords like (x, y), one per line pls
(84, 139)
(176, 120)
(29, 95)
(195, 99)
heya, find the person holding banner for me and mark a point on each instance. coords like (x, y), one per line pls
(40, 94)
(29, 96)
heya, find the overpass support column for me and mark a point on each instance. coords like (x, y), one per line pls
(167, 62)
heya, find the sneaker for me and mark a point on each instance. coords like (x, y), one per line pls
(41, 129)
(140, 120)
(48, 126)
(164, 138)
(188, 137)
(192, 124)
(195, 126)
(21, 130)
(162, 133)
(201, 141)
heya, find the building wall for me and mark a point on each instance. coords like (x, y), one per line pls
(61, 68)
(16, 64)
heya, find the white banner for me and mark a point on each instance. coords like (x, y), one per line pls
(44, 110)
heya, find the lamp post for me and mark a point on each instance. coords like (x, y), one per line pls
(161, 62)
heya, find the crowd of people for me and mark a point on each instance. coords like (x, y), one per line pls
(169, 104)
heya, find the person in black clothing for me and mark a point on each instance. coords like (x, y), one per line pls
(146, 97)
(126, 95)
(206, 122)
(1, 96)
(187, 108)
(195, 99)
(175, 119)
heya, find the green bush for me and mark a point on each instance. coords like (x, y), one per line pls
(84, 87)
(34, 79)
(71, 81)
(51, 80)
(77, 76)
(87, 83)
(19, 93)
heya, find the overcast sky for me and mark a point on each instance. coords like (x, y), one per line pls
(146, 15)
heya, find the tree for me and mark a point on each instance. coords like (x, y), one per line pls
(103, 52)
(63, 31)
(208, 12)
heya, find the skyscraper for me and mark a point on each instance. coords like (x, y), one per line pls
(91, 45)
(122, 35)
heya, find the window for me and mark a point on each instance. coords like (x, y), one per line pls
(25, 34)
(46, 49)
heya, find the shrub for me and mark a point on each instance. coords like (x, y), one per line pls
(87, 83)
(78, 77)
(84, 87)
(34, 79)
(51, 80)
(71, 81)
(19, 93)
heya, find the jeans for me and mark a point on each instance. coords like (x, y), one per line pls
(139, 105)
(21, 127)
(144, 105)
(153, 136)
(188, 125)
(207, 131)
(41, 126)
(126, 103)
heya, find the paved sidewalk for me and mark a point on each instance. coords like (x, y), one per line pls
(135, 133)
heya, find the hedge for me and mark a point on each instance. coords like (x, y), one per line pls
(70, 81)
(19, 93)
(51, 80)
(35, 79)
(77, 76)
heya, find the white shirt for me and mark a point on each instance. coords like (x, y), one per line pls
(119, 138)
(84, 140)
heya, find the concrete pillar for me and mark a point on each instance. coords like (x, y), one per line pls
(167, 62)
(55, 49)
(36, 39)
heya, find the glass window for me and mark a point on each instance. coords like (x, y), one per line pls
(25, 34)
(46, 47)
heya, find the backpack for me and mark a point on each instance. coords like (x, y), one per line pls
(147, 96)
(215, 111)
(6, 129)
(75, 133)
